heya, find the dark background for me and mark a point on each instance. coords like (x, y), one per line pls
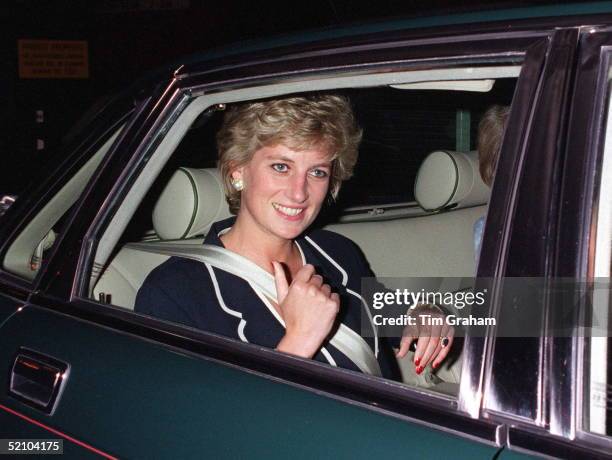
(126, 38)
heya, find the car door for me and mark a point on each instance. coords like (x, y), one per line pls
(130, 386)
(578, 365)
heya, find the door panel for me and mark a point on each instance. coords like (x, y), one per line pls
(129, 397)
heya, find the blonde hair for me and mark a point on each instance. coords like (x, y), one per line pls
(299, 122)
(490, 133)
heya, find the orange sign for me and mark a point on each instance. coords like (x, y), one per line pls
(53, 59)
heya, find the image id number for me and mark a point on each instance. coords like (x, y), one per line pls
(32, 446)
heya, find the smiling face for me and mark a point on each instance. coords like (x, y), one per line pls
(283, 191)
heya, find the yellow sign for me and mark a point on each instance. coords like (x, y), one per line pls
(53, 59)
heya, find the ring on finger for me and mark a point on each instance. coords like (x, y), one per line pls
(445, 341)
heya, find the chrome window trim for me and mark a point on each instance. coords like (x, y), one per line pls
(586, 144)
(474, 391)
(564, 41)
(438, 38)
(601, 267)
(598, 441)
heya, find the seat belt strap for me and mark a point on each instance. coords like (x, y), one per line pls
(347, 341)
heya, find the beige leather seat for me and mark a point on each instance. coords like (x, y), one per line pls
(190, 203)
(448, 179)
(436, 244)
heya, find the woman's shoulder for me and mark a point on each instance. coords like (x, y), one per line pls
(177, 270)
(178, 290)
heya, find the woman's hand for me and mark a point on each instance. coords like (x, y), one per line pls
(433, 341)
(309, 310)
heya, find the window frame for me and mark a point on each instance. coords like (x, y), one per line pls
(531, 209)
(578, 222)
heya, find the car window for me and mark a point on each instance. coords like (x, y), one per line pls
(598, 370)
(28, 250)
(178, 196)
(401, 127)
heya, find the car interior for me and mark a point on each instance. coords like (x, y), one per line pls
(410, 207)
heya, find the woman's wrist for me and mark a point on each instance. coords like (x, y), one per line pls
(298, 346)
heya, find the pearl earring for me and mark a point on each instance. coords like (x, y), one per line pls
(237, 184)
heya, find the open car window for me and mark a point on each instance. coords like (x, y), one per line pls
(406, 226)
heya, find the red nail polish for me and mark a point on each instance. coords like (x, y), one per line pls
(434, 365)
(417, 361)
(419, 369)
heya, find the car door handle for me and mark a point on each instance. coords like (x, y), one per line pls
(38, 380)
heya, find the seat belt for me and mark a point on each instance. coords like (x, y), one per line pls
(347, 341)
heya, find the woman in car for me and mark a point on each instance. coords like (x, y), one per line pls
(280, 161)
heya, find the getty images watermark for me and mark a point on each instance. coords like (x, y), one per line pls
(410, 300)
(514, 307)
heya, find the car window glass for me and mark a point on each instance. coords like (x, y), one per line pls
(26, 253)
(598, 371)
(402, 127)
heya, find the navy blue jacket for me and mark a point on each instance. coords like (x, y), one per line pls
(204, 297)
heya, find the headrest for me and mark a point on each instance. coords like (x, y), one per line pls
(447, 178)
(191, 202)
